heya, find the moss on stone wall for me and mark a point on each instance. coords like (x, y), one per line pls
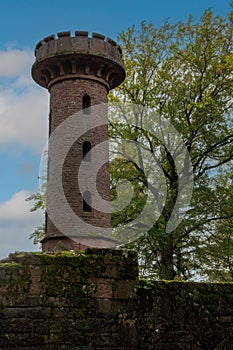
(67, 301)
(186, 315)
(93, 300)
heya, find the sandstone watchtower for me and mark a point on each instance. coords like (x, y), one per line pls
(78, 71)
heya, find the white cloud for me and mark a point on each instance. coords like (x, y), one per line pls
(17, 223)
(16, 208)
(23, 123)
(23, 118)
(23, 105)
(15, 62)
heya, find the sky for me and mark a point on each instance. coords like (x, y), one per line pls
(24, 105)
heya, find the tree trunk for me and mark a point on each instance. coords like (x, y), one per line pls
(167, 271)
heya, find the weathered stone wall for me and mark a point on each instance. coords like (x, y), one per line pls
(185, 316)
(62, 301)
(93, 301)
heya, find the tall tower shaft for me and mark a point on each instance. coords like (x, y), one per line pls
(78, 72)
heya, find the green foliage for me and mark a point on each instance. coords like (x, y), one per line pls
(122, 168)
(184, 72)
(38, 204)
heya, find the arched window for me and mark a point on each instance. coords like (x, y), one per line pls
(86, 149)
(87, 201)
(86, 104)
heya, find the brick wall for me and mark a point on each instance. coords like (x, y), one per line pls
(186, 316)
(66, 100)
(60, 301)
(93, 301)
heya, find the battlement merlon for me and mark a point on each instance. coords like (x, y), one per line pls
(79, 56)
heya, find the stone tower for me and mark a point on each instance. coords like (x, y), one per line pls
(78, 71)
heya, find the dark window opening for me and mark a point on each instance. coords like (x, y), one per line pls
(86, 104)
(87, 202)
(50, 123)
(86, 150)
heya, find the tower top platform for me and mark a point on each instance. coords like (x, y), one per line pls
(79, 56)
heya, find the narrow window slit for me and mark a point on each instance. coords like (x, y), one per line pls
(87, 202)
(86, 151)
(86, 104)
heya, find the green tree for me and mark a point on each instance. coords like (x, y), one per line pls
(184, 72)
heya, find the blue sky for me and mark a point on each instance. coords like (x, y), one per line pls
(24, 106)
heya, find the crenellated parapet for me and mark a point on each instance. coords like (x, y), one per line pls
(80, 56)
